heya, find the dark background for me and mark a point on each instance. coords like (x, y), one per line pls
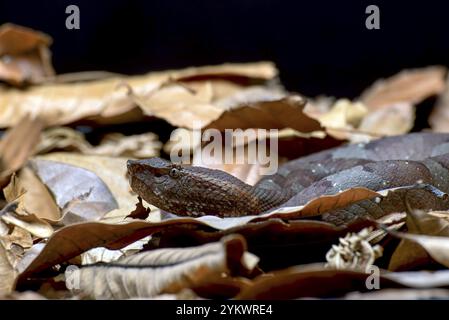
(320, 47)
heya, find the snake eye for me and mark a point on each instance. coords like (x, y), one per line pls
(174, 173)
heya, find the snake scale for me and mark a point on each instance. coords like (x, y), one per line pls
(385, 163)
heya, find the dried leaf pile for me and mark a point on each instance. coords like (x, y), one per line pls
(71, 228)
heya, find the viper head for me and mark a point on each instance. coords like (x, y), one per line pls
(187, 190)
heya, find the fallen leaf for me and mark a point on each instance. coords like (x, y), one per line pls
(24, 55)
(433, 238)
(114, 145)
(343, 114)
(33, 196)
(112, 171)
(7, 272)
(140, 212)
(409, 86)
(101, 254)
(64, 103)
(81, 192)
(165, 270)
(18, 145)
(395, 119)
(30, 223)
(287, 112)
(308, 281)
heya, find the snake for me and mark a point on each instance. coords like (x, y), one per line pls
(388, 162)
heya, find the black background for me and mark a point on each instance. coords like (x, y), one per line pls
(320, 47)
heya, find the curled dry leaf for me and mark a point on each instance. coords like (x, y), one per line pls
(18, 145)
(24, 55)
(166, 270)
(111, 171)
(64, 103)
(80, 192)
(396, 119)
(409, 86)
(343, 114)
(114, 145)
(287, 112)
(29, 222)
(19, 240)
(433, 238)
(32, 196)
(7, 272)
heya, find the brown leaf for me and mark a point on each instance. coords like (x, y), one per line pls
(112, 171)
(433, 238)
(81, 193)
(140, 212)
(308, 281)
(17, 145)
(110, 98)
(166, 270)
(395, 119)
(287, 112)
(7, 272)
(409, 86)
(27, 221)
(72, 240)
(24, 55)
(32, 195)
(144, 145)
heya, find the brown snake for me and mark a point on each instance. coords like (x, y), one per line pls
(385, 163)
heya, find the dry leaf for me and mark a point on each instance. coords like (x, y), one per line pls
(79, 192)
(60, 104)
(100, 254)
(28, 222)
(343, 114)
(17, 145)
(114, 145)
(433, 238)
(308, 281)
(7, 272)
(112, 171)
(409, 86)
(166, 270)
(24, 55)
(393, 120)
(287, 112)
(32, 195)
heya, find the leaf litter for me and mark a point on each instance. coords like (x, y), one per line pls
(67, 201)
